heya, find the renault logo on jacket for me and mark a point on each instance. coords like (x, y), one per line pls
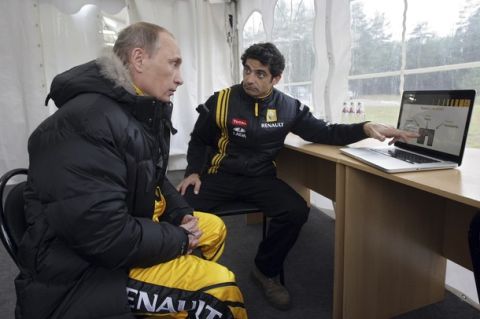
(272, 125)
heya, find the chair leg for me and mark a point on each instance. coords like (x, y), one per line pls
(474, 243)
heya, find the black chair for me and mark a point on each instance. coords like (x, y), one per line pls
(474, 243)
(12, 212)
(242, 208)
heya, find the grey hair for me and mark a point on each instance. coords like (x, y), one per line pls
(138, 35)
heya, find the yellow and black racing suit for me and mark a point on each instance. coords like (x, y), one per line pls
(243, 135)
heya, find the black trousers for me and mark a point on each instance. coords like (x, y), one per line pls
(286, 208)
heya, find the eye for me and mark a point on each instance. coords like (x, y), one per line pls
(261, 75)
(176, 63)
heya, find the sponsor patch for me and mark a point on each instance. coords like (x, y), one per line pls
(240, 132)
(239, 122)
(271, 115)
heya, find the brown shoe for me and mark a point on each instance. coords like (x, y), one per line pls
(274, 291)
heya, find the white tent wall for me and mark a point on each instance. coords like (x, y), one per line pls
(69, 39)
(22, 80)
(47, 37)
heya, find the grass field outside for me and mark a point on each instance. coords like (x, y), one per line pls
(386, 112)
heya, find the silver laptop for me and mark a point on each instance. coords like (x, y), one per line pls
(440, 117)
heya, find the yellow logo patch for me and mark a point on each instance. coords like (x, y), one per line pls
(271, 115)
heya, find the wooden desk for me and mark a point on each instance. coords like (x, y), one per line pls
(393, 232)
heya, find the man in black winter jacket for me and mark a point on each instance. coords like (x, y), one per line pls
(108, 235)
(243, 128)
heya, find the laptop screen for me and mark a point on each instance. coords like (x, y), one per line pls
(441, 118)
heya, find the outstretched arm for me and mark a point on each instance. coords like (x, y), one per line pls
(382, 132)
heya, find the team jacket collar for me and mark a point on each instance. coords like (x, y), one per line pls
(267, 98)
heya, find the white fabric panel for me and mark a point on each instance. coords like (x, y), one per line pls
(69, 39)
(43, 42)
(199, 28)
(22, 80)
(246, 8)
(265, 7)
(338, 44)
(321, 68)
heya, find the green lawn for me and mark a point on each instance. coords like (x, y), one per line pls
(389, 115)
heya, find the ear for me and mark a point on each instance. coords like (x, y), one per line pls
(276, 79)
(136, 59)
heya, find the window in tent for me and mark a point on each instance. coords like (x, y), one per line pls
(292, 33)
(253, 31)
(438, 50)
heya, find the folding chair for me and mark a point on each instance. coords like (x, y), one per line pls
(12, 212)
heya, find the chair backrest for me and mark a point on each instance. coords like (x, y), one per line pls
(12, 212)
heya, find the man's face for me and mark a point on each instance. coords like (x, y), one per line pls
(159, 74)
(257, 79)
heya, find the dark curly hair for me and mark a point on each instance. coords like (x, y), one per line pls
(268, 54)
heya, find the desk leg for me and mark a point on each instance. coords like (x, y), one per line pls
(304, 172)
(339, 243)
(392, 249)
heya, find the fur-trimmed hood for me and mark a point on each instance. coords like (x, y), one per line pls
(106, 75)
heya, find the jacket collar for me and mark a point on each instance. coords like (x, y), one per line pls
(265, 99)
(145, 109)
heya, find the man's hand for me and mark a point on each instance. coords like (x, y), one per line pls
(381, 132)
(192, 179)
(190, 224)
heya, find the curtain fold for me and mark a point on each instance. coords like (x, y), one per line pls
(338, 48)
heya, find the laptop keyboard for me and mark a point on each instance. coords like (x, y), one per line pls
(406, 156)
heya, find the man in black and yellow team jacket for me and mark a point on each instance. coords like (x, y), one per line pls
(243, 128)
(108, 235)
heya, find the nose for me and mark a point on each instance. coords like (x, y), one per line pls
(178, 79)
(248, 78)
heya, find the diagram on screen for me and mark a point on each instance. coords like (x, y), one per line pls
(440, 127)
(428, 131)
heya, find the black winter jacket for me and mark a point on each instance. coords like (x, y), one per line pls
(94, 166)
(243, 135)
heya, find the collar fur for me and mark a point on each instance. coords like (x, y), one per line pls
(112, 68)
